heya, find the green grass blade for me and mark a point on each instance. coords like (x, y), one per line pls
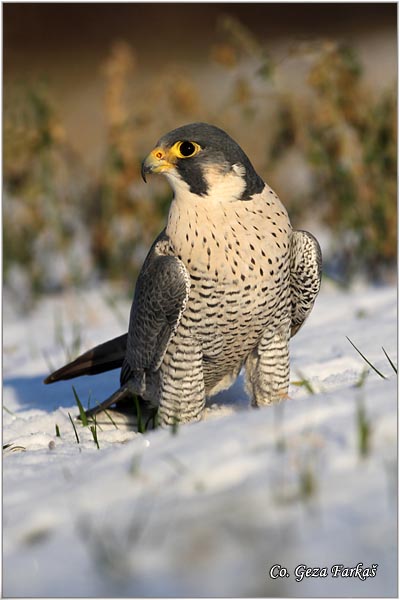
(175, 426)
(111, 419)
(94, 434)
(93, 429)
(390, 361)
(82, 413)
(363, 378)
(364, 431)
(58, 431)
(304, 382)
(152, 420)
(140, 425)
(73, 425)
(366, 359)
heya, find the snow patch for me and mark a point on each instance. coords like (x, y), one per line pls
(207, 511)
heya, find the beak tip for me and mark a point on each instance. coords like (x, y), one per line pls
(143, 172)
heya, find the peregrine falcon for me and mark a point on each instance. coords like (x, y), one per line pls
(224, 286)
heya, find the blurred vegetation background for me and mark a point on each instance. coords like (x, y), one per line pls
(308, 90)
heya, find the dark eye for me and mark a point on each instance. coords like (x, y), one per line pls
(187, 149)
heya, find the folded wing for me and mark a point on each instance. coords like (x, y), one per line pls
(161, 294)
(305, 276)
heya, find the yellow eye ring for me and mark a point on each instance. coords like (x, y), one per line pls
(186, 149)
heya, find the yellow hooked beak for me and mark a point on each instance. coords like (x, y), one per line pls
(158, 161)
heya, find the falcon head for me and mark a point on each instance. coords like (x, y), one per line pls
(206, 161)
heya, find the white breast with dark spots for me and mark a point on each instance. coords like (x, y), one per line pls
(237, 255)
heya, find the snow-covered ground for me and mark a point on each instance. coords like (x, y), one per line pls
(210, 509)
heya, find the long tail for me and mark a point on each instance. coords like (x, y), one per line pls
(104, 357)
